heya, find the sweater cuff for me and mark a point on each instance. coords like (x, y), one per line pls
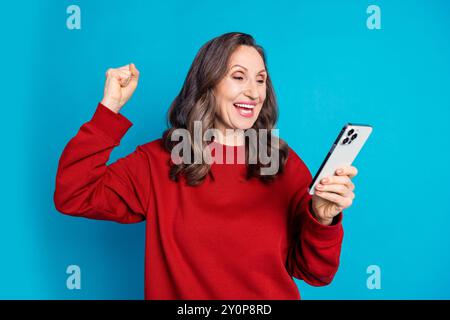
(320, 231)
(113, 124)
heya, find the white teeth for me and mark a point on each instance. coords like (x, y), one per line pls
(242, 105)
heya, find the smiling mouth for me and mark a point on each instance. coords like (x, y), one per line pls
(245, 110)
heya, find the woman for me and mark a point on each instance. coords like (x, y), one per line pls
(214, 230)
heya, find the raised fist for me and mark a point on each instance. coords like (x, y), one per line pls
(119, 86)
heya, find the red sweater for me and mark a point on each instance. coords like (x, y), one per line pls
(228, 238)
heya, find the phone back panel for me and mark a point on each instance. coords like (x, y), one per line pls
(343, 152)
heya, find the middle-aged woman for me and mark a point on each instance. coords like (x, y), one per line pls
(220, 230)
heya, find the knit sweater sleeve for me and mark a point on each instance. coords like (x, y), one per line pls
(87, 187)
(314, 249)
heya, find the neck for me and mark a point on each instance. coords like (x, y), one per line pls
(230, 137)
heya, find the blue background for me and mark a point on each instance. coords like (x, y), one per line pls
(328, 68)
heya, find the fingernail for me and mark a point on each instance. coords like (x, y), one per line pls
(339, 171)
(325, 180)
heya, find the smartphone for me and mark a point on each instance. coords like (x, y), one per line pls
(345, 148)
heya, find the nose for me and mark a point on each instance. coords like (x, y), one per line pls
(251, 90)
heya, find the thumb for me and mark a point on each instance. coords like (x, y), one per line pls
(134, 72)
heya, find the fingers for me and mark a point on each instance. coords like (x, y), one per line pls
(122, 75)
(347, 171)
(344, 180)
(340, 201)
(340, 189)
(118, 73)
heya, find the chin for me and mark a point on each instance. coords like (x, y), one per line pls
(243, 124)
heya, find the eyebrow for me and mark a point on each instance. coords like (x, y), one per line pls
(237, 65)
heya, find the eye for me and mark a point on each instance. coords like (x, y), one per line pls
(261, 81)
(238, 78)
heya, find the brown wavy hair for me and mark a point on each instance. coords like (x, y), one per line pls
(196, 102)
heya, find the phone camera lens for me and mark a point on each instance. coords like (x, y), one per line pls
(354, 136)
(345, 141)
(350, 132)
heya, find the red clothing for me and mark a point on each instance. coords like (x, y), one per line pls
(228, 238)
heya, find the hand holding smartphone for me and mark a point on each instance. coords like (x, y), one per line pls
(345, 148)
